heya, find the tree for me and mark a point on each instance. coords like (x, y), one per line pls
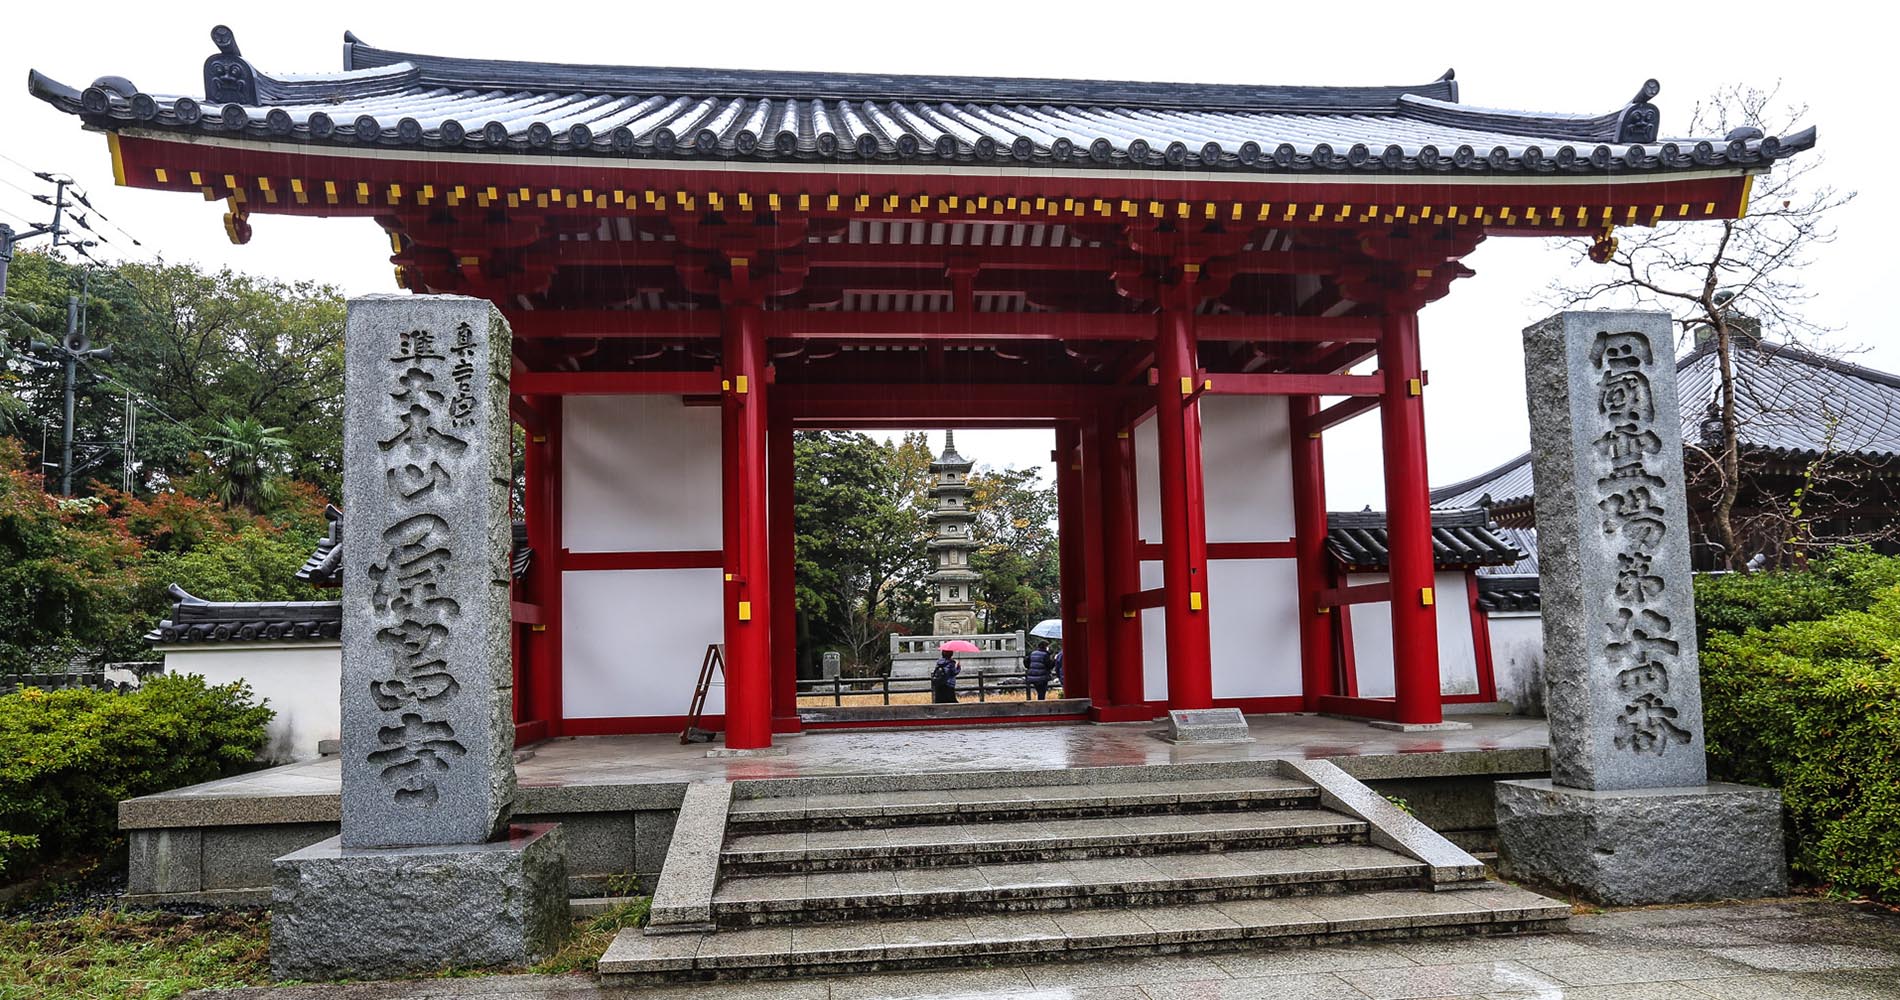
(1016, 552)
(1725, 279)
(244, 456)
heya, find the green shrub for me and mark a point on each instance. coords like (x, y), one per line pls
(1844, 580)
(68, 757)
(1813, 708)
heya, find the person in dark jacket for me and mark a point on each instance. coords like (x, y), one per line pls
(1055, 668)
(1039, 670)
(943, 678)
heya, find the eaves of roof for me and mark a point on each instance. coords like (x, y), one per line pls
(391, 100)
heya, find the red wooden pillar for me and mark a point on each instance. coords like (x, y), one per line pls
(748, 585)
(784, 552)
(1075, 642)
(541, 693)
(1408, 519)
(1121, 566)
(1091, 543)
(1183, 505)
(1309, 546)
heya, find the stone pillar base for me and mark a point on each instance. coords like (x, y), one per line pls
(1643, 845)
(377, 913)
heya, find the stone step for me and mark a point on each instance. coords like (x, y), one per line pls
(1104, 883)
(866, 809)
(1001, 842)
(637, 959)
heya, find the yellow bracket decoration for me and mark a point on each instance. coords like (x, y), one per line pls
(1604, 247)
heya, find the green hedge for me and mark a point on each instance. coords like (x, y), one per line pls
(1844, 580)
(68, 757)
(1813, 708)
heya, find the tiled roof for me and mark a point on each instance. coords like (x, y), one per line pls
(1790, 404)
(324, 568)
(386, 98)
(195, 620)
(1510, 593)
(1461, 539)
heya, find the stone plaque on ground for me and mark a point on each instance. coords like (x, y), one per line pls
(1625, 695)
(1207, 725)
(1628, 815)
(428, 731)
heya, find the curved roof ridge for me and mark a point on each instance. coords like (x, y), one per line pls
(1450, 490)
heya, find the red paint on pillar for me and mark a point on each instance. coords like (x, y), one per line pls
(1408, 520)
(1074, 586)
(1121, 568)
(541, 691)
(784, 553)
(1183, 510)
(1091, 545)
(1309, 553)
(748, 661)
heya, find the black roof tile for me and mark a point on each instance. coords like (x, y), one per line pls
(1461, 539)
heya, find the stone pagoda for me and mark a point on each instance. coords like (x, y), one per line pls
(952, 538)
(952, 524)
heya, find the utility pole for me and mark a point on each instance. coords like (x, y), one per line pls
(57, 230)
(76, 347)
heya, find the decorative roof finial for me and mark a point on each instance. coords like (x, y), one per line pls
(1640, 120)
(229, 79)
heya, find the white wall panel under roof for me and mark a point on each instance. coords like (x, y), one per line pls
(1254, 618)
(632, 641)
(1154, 632)
(1372, 638)
(639, 474)
(1247, 460)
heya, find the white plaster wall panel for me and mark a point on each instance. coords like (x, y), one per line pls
(1254, 619)
(1371, 641)
(1517, 659)
(1457, 656)
(1372, 638)
(301, 682)
(639, 474)
(1147, 483)
(632, 641)
(1154, 640)
(1247, 459)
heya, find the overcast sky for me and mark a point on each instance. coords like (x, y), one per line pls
(1579, 57)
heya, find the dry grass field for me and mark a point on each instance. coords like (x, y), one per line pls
(965, 693)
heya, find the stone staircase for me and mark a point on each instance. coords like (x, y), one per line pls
(812, 876)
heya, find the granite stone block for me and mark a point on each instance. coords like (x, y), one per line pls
(165, 861)
(1623, 691)
(377, 913)
(1207, 725)
(1640, 846)
(234, 855)
(684, 896)
(428, 727)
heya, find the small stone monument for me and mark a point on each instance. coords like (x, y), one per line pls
(1628, 815)
(833, 664)
(427, 872)
(1206, 725)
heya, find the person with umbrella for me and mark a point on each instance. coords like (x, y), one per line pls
(943, 677)
(1048, 628)
(1041, 666)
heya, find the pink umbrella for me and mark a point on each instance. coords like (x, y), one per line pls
(959, 646)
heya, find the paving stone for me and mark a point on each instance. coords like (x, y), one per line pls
(1492, 948)
(752, 948)
(1857, 985)
(1629, 991)
(1298, 986)
(941, 937)
(1104, 928)
(1609, 967)
(1378, 911)
(1401, 983)
(1271, 917)
(1125, 972)
(826, 943)
(1179, 924)
(1276, 961)
(1017, 933)
(947, 983)
(1810, 957)
(634, 952)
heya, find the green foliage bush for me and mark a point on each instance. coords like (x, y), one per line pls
(1813, 707)
(1844, 580)
(68, 757)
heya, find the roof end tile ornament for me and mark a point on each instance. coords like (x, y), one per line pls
(1640, 120)
(229, 78)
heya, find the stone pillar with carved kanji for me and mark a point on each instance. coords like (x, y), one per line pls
(427, 702)
(1628, 815)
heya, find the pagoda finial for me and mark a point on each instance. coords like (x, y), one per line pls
(950, 441)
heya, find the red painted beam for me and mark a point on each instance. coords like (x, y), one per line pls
(527, 416)
(1295, 384)
(918, 257)
(1368, 593)
(525, 614)
(1337, 414)
(591, 324)
(808, 402)
(616, 383)
(683, 559)
(1152, 598)
(1152, 551)
(1408, 521)
(1365, 708)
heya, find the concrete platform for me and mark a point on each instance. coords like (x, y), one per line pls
(616, 796)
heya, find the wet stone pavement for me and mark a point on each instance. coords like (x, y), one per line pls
(1788, 950)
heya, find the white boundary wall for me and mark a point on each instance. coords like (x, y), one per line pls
(638, 474)
(1517, 659)
(301, 681)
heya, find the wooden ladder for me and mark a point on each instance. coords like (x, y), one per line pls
(715, 660)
